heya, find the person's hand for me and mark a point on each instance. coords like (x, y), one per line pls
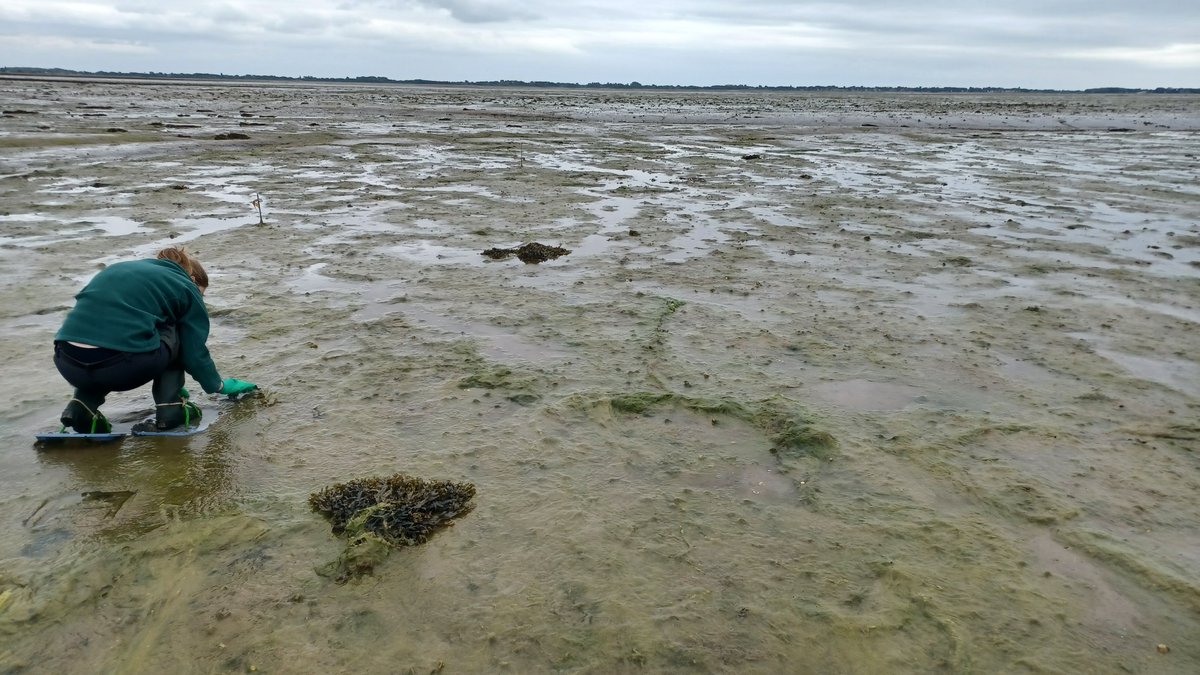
(234, 388)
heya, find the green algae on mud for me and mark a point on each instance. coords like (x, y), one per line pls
(492, 378)
(791, 435)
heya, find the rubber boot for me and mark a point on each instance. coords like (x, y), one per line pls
(83, 415)
(171, 408)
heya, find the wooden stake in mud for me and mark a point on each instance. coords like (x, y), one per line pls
(257, 203)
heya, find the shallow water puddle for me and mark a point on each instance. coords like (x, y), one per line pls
(379, 297)
(185, 230)
(1177, 374)
(697, 241)
(312, 281)
(116, 226)
(1118, 237)
(1108, 607)
(612, 212)
(1013, 368)
(436, 254)
(593, 245)
(866, 395)
(109, 226)
(1189, 313)
(757, 483)
(1174, 373)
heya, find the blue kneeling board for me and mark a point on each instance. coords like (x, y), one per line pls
(72, 437)
(121, 431)
(123, 427)
(205, 421)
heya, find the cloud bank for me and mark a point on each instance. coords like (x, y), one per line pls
(1013, 43)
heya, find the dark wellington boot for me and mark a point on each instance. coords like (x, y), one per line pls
(83, 415)
(172, 409)
(172, 417)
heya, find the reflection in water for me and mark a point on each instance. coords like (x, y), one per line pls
(125, 489)
(159, 478)
(122, 517)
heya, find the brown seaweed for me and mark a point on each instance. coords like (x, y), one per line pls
(400, 509)
(530, 254)
(377, 513)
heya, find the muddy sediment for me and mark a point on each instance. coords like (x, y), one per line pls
(828, 383)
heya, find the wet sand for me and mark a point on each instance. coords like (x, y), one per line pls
(989, 303)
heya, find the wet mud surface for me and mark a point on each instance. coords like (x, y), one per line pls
(830, 384)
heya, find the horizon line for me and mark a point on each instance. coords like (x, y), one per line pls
(376, 79)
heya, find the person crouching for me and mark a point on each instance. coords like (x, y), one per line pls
(136, 322)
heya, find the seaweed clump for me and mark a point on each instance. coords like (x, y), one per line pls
(531, 253)
(376, 514)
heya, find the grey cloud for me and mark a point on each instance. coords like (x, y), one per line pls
(969, 24)
(481, 11)
(465, 11)
(962, 42)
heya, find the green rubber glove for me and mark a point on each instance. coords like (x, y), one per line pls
(234, 388)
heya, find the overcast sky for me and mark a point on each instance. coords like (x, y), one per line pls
(1064, 44)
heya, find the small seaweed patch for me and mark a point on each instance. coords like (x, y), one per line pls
(519, 389)
(525, 399)
(376, 513)
(791, 436)
(794, 438)
(530, 254)
(639, 403)
(658, 338)
(491, 379)
(672, 306)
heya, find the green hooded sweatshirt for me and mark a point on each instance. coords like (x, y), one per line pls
(122, 307)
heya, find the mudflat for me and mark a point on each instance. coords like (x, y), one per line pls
(836, 383)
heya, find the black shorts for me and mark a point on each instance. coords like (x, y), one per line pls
(102, 370)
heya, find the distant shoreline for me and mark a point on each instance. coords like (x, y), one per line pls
(215, 78)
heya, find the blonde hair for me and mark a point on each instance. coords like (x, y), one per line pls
(180, 256)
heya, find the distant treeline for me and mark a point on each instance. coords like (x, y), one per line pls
(369, 79)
